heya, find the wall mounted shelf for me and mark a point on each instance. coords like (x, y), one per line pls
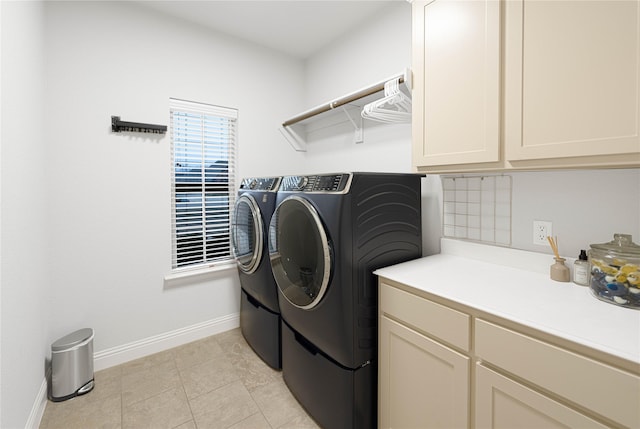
(340, 110)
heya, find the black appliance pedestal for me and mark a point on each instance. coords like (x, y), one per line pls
(334, 396)
(261, 328)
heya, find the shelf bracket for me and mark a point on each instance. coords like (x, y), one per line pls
(294, 138)
(357, 135)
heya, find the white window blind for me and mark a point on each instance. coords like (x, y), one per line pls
(203, 148)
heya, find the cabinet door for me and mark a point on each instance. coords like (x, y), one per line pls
(504, 403)
(607, 390)
(423, 384)
(571, 82)
(456, 95)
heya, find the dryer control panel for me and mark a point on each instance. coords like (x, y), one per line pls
(260, 184)
(338, 183)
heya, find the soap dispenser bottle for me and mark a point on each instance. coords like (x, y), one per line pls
(581, 269)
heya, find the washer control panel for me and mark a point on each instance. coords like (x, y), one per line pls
(260, 184)
(317, 183)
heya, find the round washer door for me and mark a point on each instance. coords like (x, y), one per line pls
(248, 230)
(300, 252)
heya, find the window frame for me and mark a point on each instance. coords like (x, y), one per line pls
(198, 196)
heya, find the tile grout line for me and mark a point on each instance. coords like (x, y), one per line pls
(184, 390)
(121, 399)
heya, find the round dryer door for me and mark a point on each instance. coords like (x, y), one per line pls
(247, 234)
(300, 252)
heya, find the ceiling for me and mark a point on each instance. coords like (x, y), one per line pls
(296, 27)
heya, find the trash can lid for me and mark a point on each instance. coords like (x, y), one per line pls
(72, 339)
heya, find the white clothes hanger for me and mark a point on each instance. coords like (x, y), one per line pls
(394, 107)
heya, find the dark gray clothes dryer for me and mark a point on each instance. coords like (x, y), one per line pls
(259, 309)
(326, 237)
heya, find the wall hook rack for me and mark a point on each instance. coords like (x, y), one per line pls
(118, 126)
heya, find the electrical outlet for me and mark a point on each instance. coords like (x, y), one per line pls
(541, 229)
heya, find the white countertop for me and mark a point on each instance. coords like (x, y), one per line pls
(515, 285)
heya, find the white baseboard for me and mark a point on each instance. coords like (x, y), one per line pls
(147, 346)
(37, 411)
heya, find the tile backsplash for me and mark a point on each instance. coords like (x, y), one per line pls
(477, 208)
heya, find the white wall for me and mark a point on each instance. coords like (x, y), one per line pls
(24, 281)
(585, 207)
(379, 49)
(109, 221)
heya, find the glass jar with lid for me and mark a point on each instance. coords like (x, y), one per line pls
(615, 271)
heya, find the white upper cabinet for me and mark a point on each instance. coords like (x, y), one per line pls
(456, 64)
(526, 84)
(571, 79)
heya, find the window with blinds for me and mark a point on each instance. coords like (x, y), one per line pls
(203, 143)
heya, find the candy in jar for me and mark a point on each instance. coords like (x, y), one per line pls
(615, 271)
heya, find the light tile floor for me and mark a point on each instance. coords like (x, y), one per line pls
(217, 382)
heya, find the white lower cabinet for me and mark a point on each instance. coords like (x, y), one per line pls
(502, 403)
(444, 365)
(571, 377)
(423, 384)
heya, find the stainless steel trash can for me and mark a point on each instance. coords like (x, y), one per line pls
(72, 365)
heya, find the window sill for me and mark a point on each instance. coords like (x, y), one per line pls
(192, 273)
